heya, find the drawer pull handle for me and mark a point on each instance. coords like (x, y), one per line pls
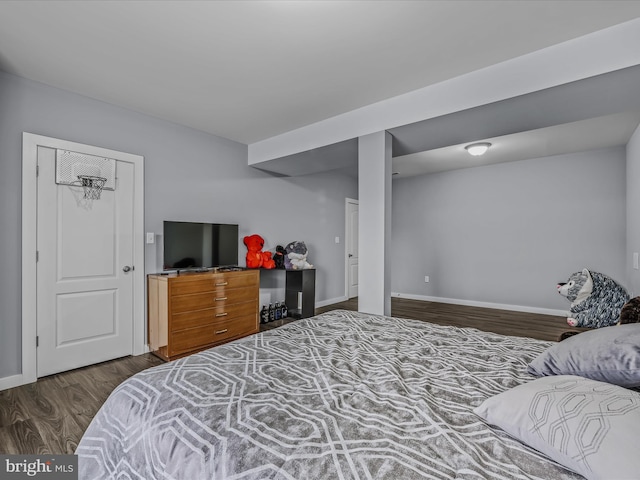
(222, 314)
(222, 284)
(218, 332)
(219, 299)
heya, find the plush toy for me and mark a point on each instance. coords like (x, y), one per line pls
(296, 256)
(596, 299)
(256, 258)
(278, 257)
(630, 312)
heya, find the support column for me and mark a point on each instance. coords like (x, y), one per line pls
(374, 224)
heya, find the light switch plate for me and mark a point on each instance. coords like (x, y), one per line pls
(151, 238)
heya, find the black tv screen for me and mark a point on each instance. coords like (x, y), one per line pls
(191, 245)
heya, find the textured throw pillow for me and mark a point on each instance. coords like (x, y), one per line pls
(587, 426)
(609, 354)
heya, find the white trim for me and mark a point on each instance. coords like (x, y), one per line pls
(347, 201)
(139, 279)
(30, 143)
(29, 248)
(13, 381)
(473, 303)
(331, 301)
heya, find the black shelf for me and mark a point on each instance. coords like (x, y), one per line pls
(300, 293)
(276, 323)
(300, 287)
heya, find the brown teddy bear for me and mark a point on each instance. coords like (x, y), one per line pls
(256, 258)
(630, 312)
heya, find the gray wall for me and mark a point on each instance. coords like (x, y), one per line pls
(506, 233)
(189, 175)
(633, 210)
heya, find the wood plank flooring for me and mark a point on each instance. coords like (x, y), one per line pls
(51, 415)
(505, 322)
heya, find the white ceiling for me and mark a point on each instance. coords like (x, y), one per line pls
(594, 133)
(249, 70)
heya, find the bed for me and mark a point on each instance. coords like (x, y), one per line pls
(342, 395)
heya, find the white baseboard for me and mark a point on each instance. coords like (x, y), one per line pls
(331, 301)
(472, 303)
(18, 380)
(12, 381)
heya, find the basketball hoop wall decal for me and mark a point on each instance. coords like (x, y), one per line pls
(92, 186)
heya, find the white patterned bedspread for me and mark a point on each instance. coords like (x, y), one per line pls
(342, 395)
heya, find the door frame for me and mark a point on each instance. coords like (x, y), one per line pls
(30, 144)
(347, 201)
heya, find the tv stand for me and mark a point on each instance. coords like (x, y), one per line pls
(192, 311)
(182, 271)
(299, 291)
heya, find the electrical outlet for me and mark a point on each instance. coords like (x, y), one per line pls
(426, 279)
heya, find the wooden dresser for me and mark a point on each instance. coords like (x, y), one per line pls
(190, 312)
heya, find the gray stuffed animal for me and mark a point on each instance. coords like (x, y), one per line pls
(295, 257)
(596, 299)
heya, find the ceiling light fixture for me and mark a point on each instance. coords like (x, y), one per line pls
(477, 149)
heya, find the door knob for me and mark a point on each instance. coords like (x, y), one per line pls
(350, 255)
(127, 268)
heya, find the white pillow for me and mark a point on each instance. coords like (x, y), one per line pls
(587, 426)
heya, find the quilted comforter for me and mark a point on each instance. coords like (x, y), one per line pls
(342, 395)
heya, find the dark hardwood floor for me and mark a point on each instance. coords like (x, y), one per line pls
(505, 322)
(51, 415)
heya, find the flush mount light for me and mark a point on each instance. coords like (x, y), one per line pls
(477, 149)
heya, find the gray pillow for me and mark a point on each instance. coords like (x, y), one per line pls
(587, 426)
(609, 354)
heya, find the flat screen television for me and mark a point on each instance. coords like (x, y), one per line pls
(192, 245)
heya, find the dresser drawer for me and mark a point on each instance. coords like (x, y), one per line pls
(198, 337)
(198, 318)
(193, 311)
(199, 301)
(214, 283)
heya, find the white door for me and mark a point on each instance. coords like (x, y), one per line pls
(84, 270)
(352, 248)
